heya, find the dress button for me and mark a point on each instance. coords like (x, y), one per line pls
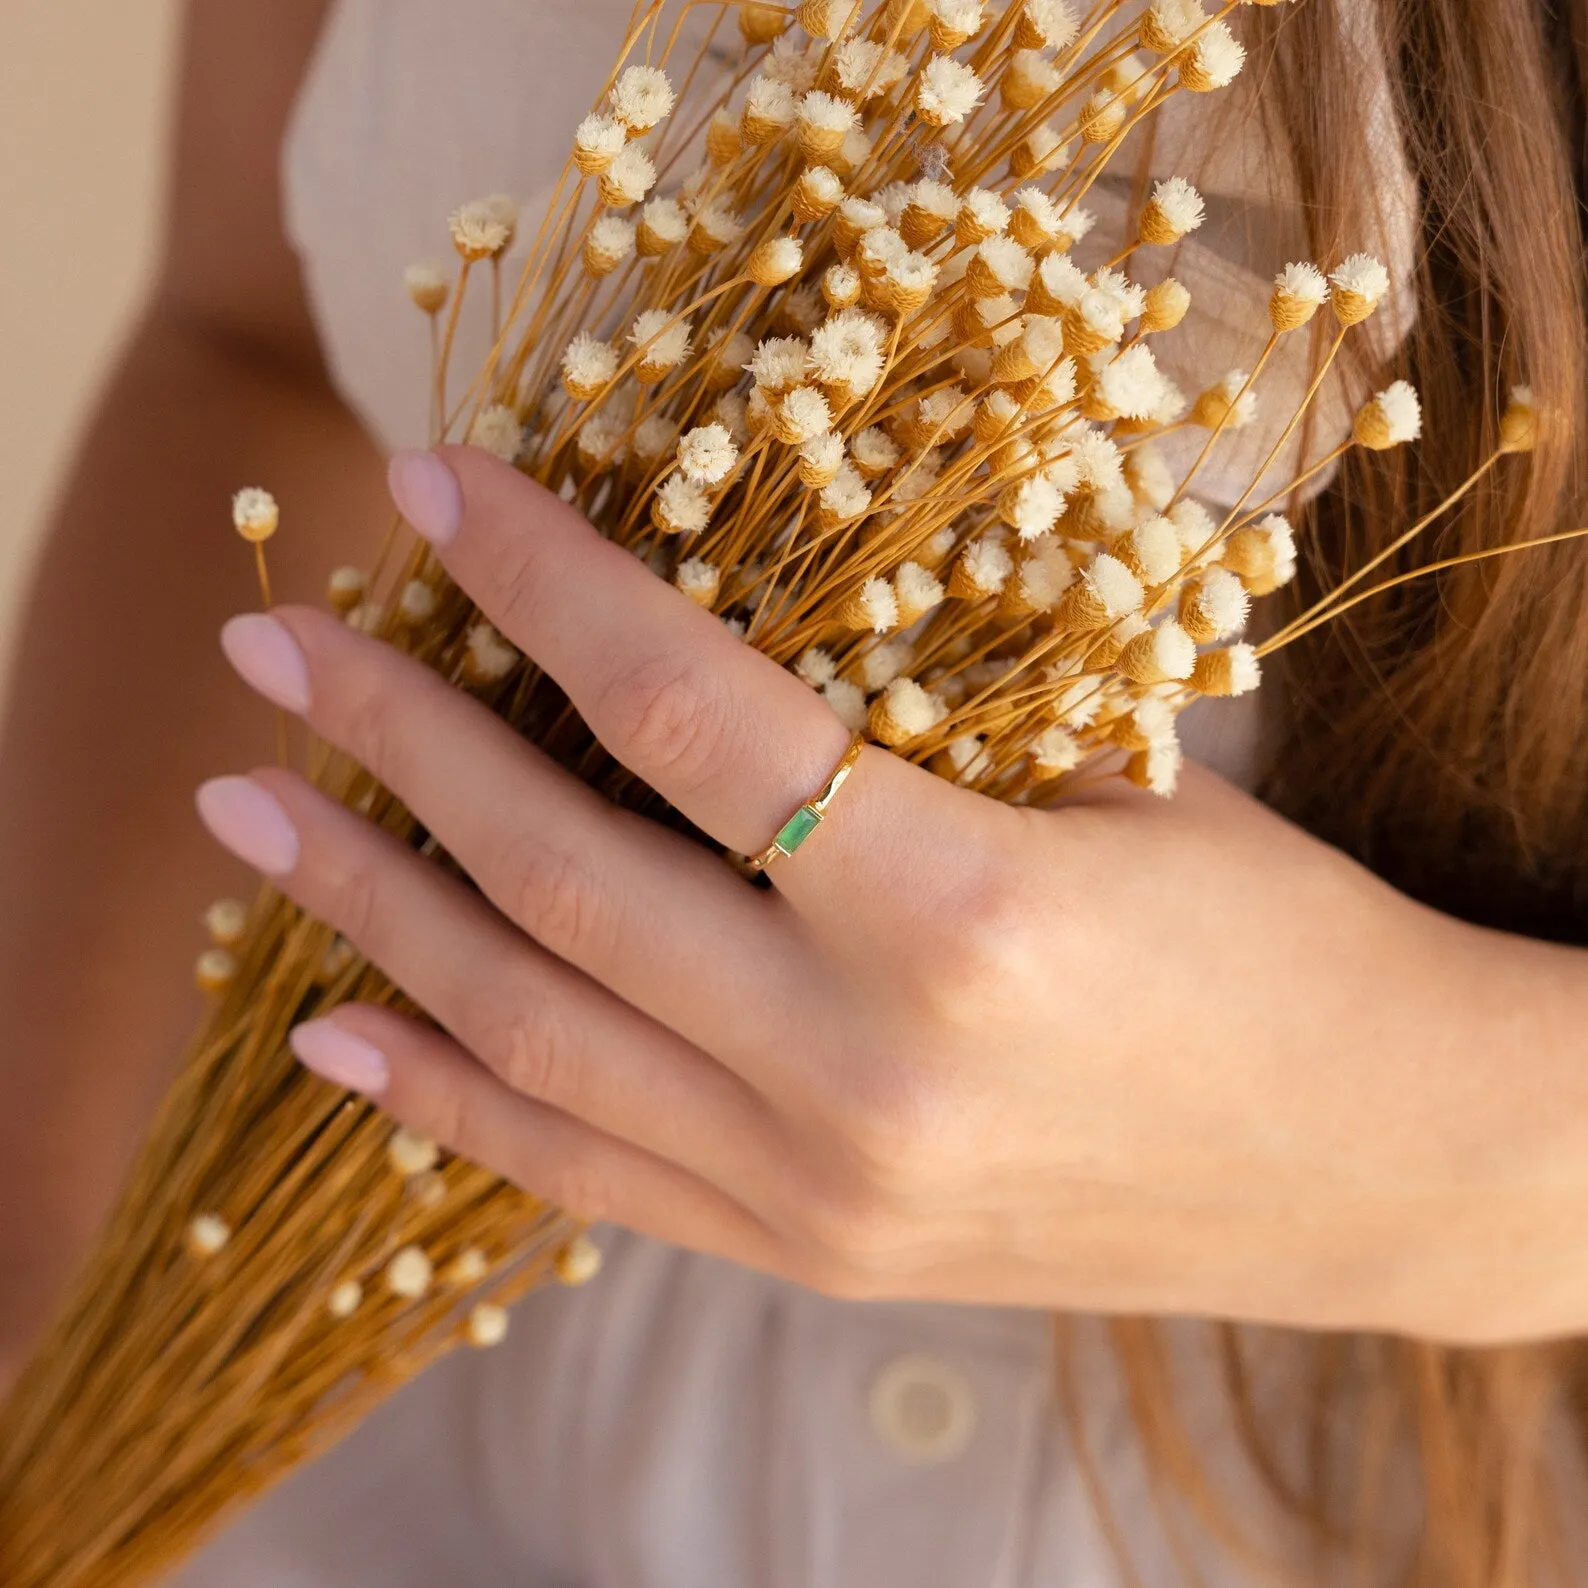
(923, 1409)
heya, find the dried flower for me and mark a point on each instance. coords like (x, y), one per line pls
(946, 91)
(699, 580)
(680, 508)
(1300, 290)
(207, 1234)
(589, 366)
(255, 514)
(1174, 211)
(214, 970)
(487, 657)
(1519, 422)
(579, 1261)
(1167, 24)
(409, 1273)
(597, 142)
(499, 431)
(226, 921)
(1046, 24)
(479, 230)
(628, 178)
(1392, 418)
(1235, 671)
(410, 1154)
(641, 97)
(706, 454)
(607, 244)
(488, 1323)
(1360, 285)
(1213, 62)
(662, 339)
(345, 588)
(345, 1299)
(429, 286)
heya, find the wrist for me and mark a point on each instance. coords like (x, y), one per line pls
(1495, 1121)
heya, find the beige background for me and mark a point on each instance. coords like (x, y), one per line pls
(84, 95)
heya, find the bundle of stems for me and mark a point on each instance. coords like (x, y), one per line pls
(827, 336)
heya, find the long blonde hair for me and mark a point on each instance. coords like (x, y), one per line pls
(1440, 735)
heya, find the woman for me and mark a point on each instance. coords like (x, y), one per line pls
(966, 1066)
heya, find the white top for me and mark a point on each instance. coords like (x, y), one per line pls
(681, 1423)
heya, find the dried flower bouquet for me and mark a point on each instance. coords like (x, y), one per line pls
(811, 335)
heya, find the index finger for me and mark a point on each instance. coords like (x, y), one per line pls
(724, 734)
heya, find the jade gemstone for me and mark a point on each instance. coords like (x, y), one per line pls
(798, 828)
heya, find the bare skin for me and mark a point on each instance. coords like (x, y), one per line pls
(1350, 1112)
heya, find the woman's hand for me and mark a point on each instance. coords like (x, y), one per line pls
(1127, 1056)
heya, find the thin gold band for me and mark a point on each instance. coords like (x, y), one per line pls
(809, 816)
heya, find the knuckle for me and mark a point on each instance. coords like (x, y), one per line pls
(373, 731)
(585, 1187)
(667, 717)
(981, 949)
(849, 1245)
(902, 1126)
(533, 1052)
(517, 583)
(355, 900)
(554, 896)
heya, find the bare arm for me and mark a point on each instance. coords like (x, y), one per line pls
(120, 703)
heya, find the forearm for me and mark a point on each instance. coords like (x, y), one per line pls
(1505, 1111)
(119, 706)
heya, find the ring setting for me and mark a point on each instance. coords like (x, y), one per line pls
(799, 827)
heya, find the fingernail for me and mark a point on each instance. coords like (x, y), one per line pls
(339, 1056)
(427, 494)
(250, 823)
(268, 658)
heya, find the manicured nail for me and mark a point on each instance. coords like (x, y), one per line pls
(268, 658)
(250, 823)
(339, 1056)
(427, 494)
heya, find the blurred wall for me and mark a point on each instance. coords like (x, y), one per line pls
(84, 94)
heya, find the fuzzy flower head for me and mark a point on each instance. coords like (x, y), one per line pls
(1046, 24)
(499, 431)
(428, 286)
(1519, 422)
(255, 515)
(589, 366)
(1167, 24)
(641, 97)
(1174, 211)
(479, 230)
(779, 364)
(663, 342)
(947, 91)
(1360, 285)
(1392, 418)
(706, 454)
(1213, 62)
(1229, 405)
(865, 69)
(629, 177)
(597, 142)
(849, 352)
(680, 507)
(1300, 290)
(1130, 386)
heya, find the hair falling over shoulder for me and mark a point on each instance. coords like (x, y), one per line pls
(1438, 735)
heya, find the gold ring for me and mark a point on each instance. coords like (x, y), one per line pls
(809, 816)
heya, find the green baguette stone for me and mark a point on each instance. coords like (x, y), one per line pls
(797, 829)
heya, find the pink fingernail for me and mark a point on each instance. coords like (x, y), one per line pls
(339, 1056)
(427, 494)
(268, 659)
(250, 823)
